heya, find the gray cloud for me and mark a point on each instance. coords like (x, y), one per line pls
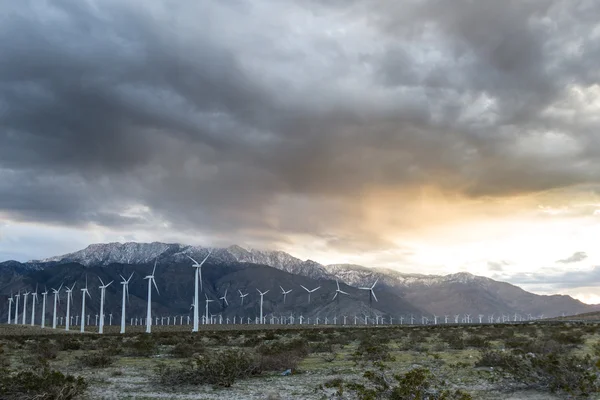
(554, 279)
(497, 266)
(575, 257)
(224, 118)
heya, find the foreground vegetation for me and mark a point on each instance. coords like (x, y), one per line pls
(559, 360)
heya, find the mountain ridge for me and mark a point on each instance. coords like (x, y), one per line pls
(435, 294)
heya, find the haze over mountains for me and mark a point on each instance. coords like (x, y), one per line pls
(234, 268)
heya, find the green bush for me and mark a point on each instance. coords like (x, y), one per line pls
(371, 349)
(43, 385)
(219, 368)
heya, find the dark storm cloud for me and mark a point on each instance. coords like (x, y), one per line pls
(252, 115)
(575, 257)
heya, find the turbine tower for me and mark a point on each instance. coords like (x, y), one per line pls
(197, 278)
(69, 297)
(310, 291)
(206, 317)
(261, 305)
(371, 293)
(25, 306)
(125, 283)
(10, 302)
(242, 295)
(149, 309)
(56, 298)
(34, 297)
(84, 291)
(284, 293)
(44, 294)
(102, 296)
(17, 307)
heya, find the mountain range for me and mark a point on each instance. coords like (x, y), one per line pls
(237, 269)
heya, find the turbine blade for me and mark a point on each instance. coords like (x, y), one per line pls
(335, 295)
(122, 277)
(282, 290)
(341, 291)
(109, 283)
(226, 302)
(192, 259)
(154, 269)
(153, 281)
(130, 276)
(206, 258)
(101, 281)
(127, 292)
(375, 283)
(375, 297)
(338, 284)
(240, 293)
(305, 289)
(317, 288)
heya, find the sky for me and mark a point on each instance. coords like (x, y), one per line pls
(421, 135)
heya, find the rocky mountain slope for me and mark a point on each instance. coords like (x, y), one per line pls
(433, 294)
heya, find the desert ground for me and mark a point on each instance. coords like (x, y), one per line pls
(541, 360)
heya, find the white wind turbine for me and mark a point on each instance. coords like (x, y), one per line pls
(125, 283)
(261, 305)
(69, 291)
(17, 307)
(242, 295)
(206, 317)
(102, 296)
(84, 291)
(25, 307)
(371, 292)
(310, 291)
(10, 302)
(56, 299)
(149, 308)
(197, 278)
(224, 298)
(284, 293)
(44, 294)
(34, 297)
(338, 291)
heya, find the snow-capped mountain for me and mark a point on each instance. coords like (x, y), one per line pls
(436, 294)
(103, 254)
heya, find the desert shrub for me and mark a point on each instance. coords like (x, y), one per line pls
(185, 350)
(555, 372)
(281, 354)
(454, 338)
(252, 341)
(370, 349)
(4, 360)
(312, 335)
(596, 349)
(68, 343)
(43, 385)
(44, 349)
(143, 346)
(321, 347)
(574, 337)
(101, 359)
(417, 384)
(478, 342)
(220, 368)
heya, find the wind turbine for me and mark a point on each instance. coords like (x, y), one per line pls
(56, 298)
(84, 291)
(149, 309)
(44, 294)
(206, 317)
(34, 297)
(125, 284)
(17, 307)
(102, 295)
(261, 305)
(310, 291)
(197, 277)
(69, 297)
(338, 291)
(242, 295)
(25, 306)
(371, 293)
(224, 298)
(10, 302)
(284, 293)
